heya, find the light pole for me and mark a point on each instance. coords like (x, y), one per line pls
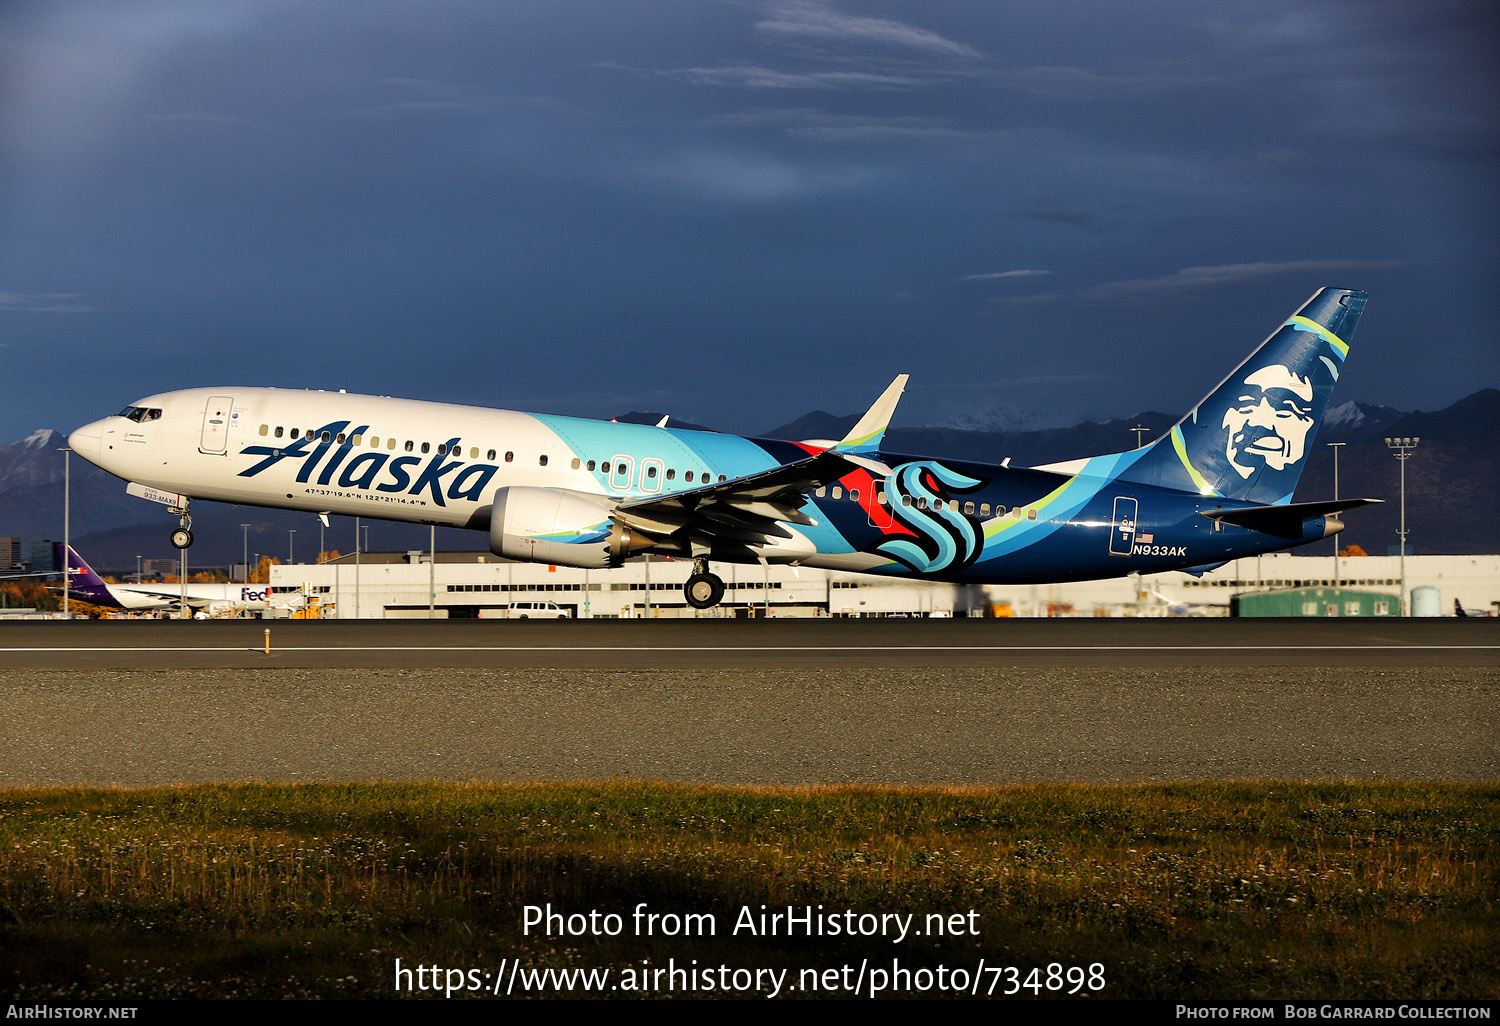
(1139, 429)
(289, 550)
(1402, 448)
(67, 540)
(1335, 446)
(245, 556)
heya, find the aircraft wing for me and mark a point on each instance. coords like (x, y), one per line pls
(752, 510)
(167, 593)
(749, 510)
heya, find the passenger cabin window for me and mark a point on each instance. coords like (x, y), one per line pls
(264, 428)
(327, 436)
(410, 445)
(591, 466)
(577, 463)
(542, 460)
(491, 456)
(671, 473)
(390, 443)
(838, 493)
(426, 446)
(509, 456)
(688, 477)
(854, 495)
(650, 471)
(473, 452)
(340, 438)
(442, 448)
(278, 432)
(1031, 514)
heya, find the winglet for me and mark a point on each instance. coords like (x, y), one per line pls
(865, 435)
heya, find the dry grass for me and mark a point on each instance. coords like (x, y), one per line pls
(1227, 890)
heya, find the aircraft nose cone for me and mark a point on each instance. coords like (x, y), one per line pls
(87, 440)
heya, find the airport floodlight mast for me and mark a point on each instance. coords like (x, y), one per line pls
(1402, 448)
(1335, 446)
(245, 555)
(1139, 429)
(67, 569)
(290, 549)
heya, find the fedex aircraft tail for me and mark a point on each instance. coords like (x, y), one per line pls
(81, 577)
(1249, 438)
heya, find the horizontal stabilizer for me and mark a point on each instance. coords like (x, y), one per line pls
(1283, 521)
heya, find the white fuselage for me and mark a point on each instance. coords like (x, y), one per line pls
(400, 459)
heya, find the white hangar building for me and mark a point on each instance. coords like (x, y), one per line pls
(478, 584)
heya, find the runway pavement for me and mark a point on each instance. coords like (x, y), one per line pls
(793, 702)
(934, 643)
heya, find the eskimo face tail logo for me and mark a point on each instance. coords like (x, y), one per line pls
(1268, 422)
(920, 497)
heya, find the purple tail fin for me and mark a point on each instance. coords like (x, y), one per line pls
(82, 579)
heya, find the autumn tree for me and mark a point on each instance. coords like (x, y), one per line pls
(262, 573)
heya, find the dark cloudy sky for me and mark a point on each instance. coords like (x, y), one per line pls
(736, 211)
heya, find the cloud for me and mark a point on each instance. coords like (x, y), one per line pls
(819, 126)
(811, 18)
(1192, 278)
(997, 275)
(750, 76)
(45, 302)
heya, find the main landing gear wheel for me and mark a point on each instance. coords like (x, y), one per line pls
(182, 538)
(704, 590)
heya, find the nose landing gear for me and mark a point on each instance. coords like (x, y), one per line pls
(182, 537)
(703, 589)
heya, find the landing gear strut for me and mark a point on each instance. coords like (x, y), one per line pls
(183, 536)
(703, 589)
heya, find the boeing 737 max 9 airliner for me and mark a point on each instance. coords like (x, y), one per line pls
(588, 493)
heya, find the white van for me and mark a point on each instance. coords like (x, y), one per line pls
(537, 610)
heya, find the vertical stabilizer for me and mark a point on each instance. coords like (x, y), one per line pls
(1250, 437)
(82, 580)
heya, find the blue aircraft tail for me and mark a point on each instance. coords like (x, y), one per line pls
(1250, 437)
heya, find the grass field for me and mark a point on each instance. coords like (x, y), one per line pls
(1234, 891)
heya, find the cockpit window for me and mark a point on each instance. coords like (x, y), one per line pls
(139, 414)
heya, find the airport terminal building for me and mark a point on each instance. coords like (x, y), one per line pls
(478, 584)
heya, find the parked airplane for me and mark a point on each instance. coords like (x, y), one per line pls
(588, 493)
(88, 586)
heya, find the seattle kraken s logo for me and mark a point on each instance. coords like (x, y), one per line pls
(946, 539)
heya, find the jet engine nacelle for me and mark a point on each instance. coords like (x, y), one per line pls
(546, 525)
